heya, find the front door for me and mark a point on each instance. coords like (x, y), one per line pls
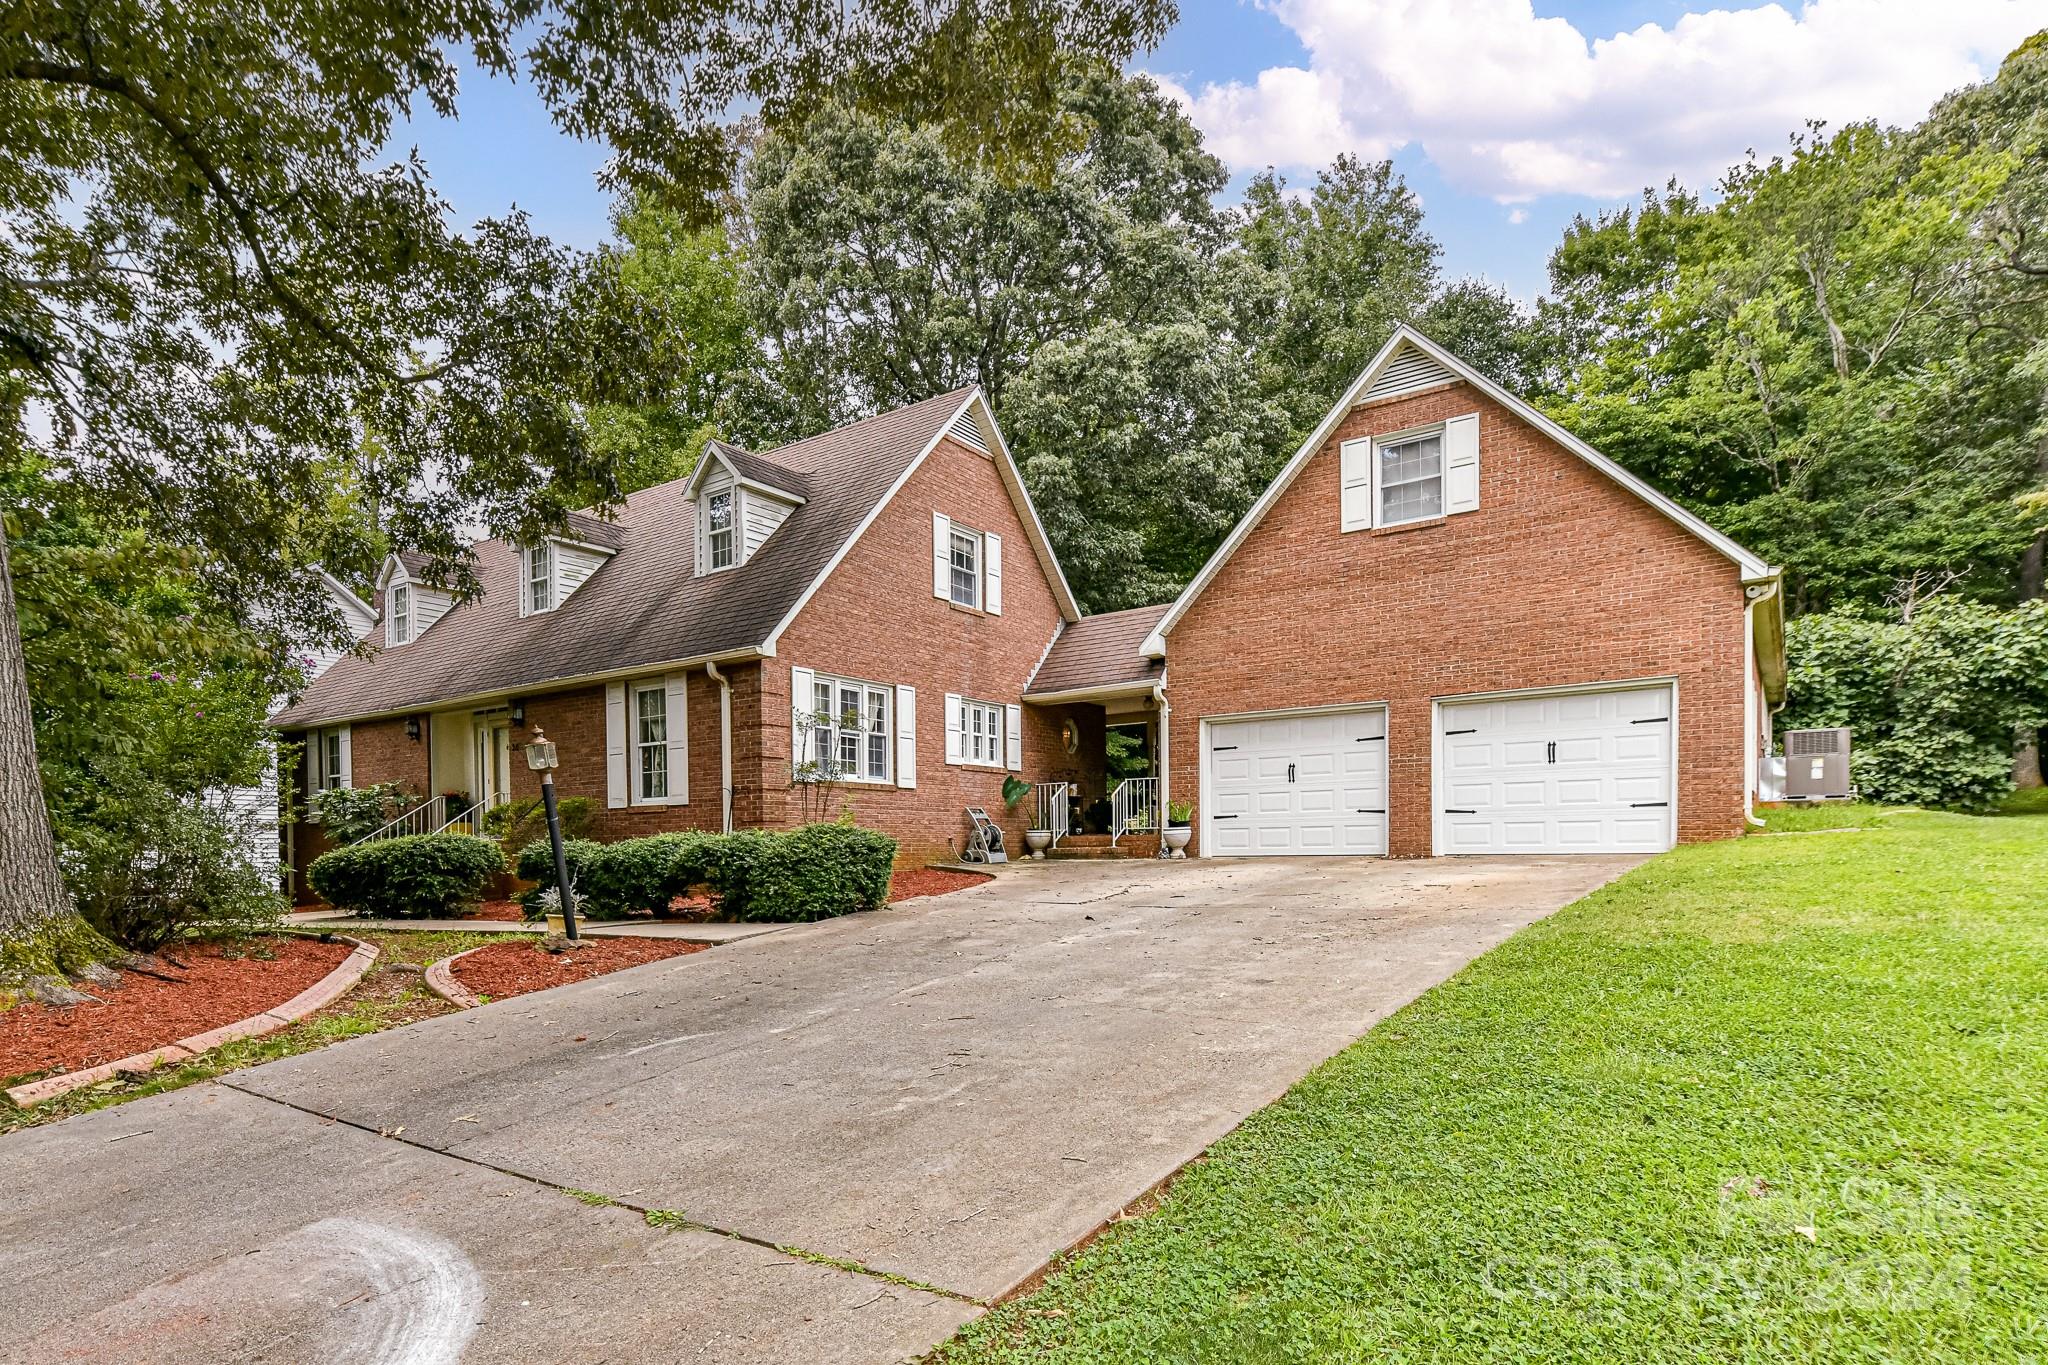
(493, 761)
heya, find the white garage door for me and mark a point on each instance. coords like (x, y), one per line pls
(1581, 772)
(1298, 784)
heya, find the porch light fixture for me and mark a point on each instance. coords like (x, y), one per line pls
(1070, 737)
(519, 714)
(412, 728)
(541, 758)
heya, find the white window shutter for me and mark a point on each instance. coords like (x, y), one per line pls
(992, 574)
(802, 682)
(615, 744)
(677, 687)
(700, 519)
(1355, 461)
(1461, 464)
(1013, 737)
(942, 555)
(906, 736)
(953, 728)
(348, 759)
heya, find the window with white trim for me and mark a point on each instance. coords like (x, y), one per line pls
(401, 613)
(981, 732)
(650, 741)
(537, 590)
(1411, 478)
(966, 555)
(328, 759)
(850, 729)
(720, 534)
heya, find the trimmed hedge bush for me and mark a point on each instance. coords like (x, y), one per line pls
(811, 873)
(418, 876)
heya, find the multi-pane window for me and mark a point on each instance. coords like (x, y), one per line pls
(650, 742)
(1411, 478)
(540, 577)
(981, 732)
(719, 533)
(328, 771)
(966, 560)
(401, 614)
(850, 729)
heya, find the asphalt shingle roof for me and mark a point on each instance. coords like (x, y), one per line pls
(1101, 651)
(646, 605)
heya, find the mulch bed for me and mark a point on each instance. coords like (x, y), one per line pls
(931, 881)
(144, 1012)
(505, 910)
(516, 968)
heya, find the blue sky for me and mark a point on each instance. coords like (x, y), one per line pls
(1506, 116)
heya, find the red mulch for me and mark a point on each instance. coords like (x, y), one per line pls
(503, 969)
(143, 1012)
(931, 881)
(510, 910)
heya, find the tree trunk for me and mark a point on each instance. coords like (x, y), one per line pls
(41, 934)
(2029, 762)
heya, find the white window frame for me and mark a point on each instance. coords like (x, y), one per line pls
(529, 599)
(1381, 445)
(981, 733)
(402, 608)
(977, 544)
(827, 738)
(328, 759)
(731, 531)
(636, 696)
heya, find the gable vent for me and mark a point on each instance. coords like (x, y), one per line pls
(1408, 371)
(967, 431)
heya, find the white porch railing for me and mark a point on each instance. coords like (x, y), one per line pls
(1054, 810)
(1133, 808)
(419, 820)
(469, 820)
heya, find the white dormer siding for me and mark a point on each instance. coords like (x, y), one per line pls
(574, 564)
(410, 608)
(735, 516)
(759, 516)
(550, 573)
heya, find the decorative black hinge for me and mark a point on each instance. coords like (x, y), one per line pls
(1461, 812)
(1472, 731)
(1640, 805)
(1373, 812)
(1650, 720)
(1368, 739)
(1223, 817)
(1221, 748)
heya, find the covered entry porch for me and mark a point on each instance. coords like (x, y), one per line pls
(1100, 707)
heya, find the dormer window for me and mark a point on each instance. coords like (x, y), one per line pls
(539, 588)
(401, 614)
(719, 533)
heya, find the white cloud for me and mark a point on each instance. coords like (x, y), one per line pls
(1515, 106)
(1518, 216)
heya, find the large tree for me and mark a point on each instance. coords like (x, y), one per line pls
(218, 293)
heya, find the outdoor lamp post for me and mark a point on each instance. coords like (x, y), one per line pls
(540, 757)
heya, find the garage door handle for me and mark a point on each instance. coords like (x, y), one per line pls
(1290, 772)
(1461, 812)
(1473, 731)
(1638, 805)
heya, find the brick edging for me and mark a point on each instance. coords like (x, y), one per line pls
(441, 981)
(320, 994)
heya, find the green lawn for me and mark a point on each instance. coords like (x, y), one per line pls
(1779, 1099)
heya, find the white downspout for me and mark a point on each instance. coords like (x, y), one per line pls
(1165, 756)
(724, 743)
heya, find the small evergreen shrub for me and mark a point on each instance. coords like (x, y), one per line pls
(418, 876)
(536, 863)
(811, 873)
(643, 875)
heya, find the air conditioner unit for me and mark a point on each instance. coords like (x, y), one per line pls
(1817, 765)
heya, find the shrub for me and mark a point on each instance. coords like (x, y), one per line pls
(1933, 701)
(536, 863)
(644, 875)
(425, 876)
(349, 813)
(811, 873)
(175, 865)
(519, 823)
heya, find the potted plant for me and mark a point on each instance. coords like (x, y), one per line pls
(1179, 815)
(1037, 838)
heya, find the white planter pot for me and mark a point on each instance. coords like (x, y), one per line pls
(1038, 840)
(1176, 837)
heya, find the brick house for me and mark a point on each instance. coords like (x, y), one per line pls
(1447, 627)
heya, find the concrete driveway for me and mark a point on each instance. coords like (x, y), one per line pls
(946, 1093)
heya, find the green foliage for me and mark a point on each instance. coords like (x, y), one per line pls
(535, 862)
(519, 823)
(172, 866)
(1933, 701)
(418, 876)
(642, 876)
(1015, 789)
(350, 813)
(1179, 812)
(810, 873)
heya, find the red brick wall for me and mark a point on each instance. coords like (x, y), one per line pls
(380, 752)
(876, 620)
(1561, 576)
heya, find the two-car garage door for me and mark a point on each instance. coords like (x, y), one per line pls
(1580, 771)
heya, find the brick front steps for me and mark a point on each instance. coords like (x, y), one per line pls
(1098, 846)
